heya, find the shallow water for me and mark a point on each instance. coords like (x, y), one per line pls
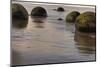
(51, 41)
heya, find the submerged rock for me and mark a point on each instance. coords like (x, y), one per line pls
(59, 19)
(38, 12)
(54, 9)
(60, 9)
(19, 12)
(86, 22)
(71, 17)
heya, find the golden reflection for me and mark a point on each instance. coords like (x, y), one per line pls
(86, 42)
(39, 25)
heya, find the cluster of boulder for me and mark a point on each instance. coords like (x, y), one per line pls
(18, 11)
(84, 22)
(20, 15)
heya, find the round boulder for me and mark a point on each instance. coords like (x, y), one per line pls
(86, 22)
(19, 12)
(71, 17)
(60, 9)
(38, 12)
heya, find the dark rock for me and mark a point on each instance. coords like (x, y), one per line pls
(54, 9)
(19, 12)
(86, 22)
(60, 9)
(60, 19)
(38, 12)
(71, 17)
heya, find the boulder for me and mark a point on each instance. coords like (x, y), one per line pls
(71, 17)
(86, 22)
(60, 9)
(19, 12)
(38, 12)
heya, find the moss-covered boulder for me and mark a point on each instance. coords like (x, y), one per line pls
(60, 9)
(19, 16)
(38, 12)
(19, 12)
(86, 22)
(71, 17)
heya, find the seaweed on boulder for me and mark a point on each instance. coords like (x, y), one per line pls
(86, 22)
(71, 17)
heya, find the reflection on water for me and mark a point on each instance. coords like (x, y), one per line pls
(19, 23)
(86, 42)
(38, 20)
(50, 41)
(39, 25)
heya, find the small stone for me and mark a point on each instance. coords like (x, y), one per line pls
(38, 12)
(60, 19)
(19, 12)
(60, 9)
